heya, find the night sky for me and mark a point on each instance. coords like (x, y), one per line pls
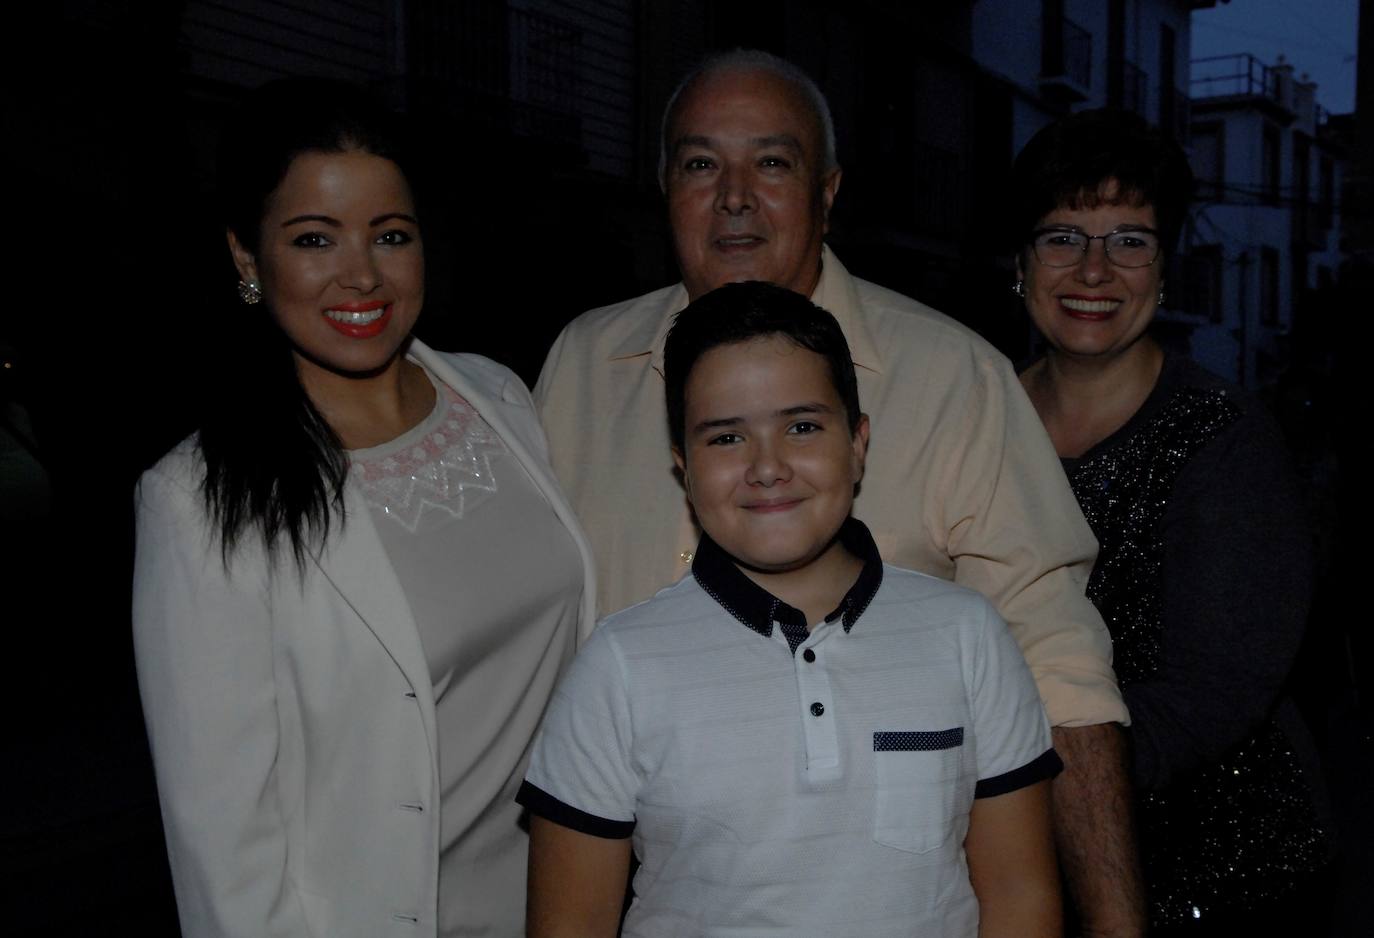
(1316, 36)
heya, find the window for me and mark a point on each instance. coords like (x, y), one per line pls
(1269, 286)
(1169, 107)
(1202, 269)
(1326, 190)
(1269, 168)
(1209, 160)
(1116, 53)
(1066, 48)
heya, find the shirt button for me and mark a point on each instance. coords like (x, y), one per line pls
(817, 709)
(808, 656)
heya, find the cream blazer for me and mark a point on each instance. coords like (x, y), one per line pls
(292, 720)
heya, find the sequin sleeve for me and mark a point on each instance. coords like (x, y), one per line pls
(1235, 582)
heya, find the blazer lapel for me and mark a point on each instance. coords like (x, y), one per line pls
(356, 563)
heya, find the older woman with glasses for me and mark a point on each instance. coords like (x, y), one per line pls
(1204, 569)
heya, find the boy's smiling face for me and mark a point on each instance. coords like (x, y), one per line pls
(770, 464)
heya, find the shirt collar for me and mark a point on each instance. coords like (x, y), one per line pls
(751, 604)
(836, 293)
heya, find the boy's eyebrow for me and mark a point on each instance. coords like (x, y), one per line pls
(813, 407)
(810, 407)
(717, 422)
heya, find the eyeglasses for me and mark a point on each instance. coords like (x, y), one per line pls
(1065, 247)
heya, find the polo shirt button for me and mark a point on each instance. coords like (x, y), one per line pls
(808, 656)
(817, 709)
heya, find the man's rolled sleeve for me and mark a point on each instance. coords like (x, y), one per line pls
(1019, 538)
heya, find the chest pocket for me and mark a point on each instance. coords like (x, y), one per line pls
(918, 780)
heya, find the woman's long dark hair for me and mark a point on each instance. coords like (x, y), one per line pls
(274, 467)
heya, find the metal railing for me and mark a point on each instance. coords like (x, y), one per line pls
(1223, 76)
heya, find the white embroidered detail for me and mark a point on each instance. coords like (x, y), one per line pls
(448, 468)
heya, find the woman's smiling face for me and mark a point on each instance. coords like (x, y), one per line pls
(1093, 308)
(340, 261)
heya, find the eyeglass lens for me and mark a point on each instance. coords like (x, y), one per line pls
(1064, 248)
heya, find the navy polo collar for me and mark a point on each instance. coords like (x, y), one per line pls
(751, 604)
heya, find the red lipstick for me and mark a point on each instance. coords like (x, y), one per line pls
(359, 320)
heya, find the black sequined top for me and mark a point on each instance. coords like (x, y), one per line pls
(1203, 577)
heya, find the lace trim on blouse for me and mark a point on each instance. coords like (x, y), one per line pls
(444, 463)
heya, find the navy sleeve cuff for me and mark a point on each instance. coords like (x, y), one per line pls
(547, 806)
(1046, 765)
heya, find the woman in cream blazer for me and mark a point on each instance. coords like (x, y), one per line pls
(289, 701)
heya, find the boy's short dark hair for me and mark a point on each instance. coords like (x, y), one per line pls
(738, 312)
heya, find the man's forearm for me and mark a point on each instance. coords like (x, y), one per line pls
(1094, 831)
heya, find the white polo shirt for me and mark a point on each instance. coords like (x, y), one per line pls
(780, 782)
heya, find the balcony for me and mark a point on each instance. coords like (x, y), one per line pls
(1066, 60)
(1228, 82)
(1233, 76)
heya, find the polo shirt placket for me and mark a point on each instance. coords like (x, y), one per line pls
(816, 703)
(758, 609)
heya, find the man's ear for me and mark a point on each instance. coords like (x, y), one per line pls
(830, 185)
(860, 447)
(244, 261)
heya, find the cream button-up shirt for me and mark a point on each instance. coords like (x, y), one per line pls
(961, 480)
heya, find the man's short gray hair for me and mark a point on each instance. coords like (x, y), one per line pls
(745, 60)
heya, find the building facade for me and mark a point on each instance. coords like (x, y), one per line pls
(1266, 225)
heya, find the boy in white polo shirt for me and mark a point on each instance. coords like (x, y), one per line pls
(795, 739)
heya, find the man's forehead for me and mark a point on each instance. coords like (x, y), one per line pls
(780, 111)
(766, 141)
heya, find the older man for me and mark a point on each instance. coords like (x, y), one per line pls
(961, 480)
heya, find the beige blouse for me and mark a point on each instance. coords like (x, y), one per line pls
(492, 577)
